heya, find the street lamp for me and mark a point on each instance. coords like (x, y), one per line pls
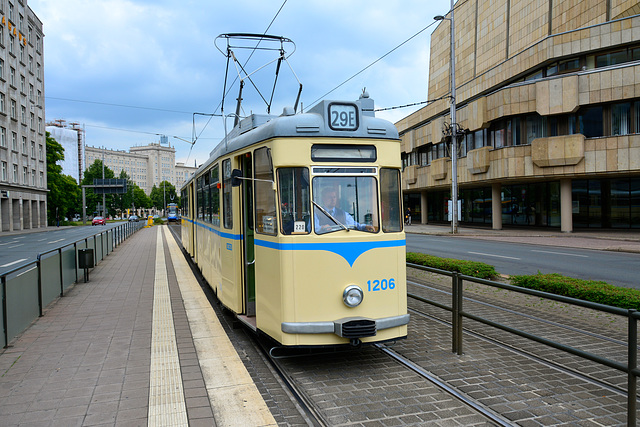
(454, 132)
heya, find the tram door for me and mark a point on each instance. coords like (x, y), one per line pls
(248, 232)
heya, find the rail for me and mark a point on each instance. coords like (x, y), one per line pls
(458, 314)
(28, 288)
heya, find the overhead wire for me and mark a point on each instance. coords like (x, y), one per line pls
(373, 63)
(235, 80)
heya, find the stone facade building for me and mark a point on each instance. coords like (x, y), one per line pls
(146, 165)
(23, 180)
(548, 103)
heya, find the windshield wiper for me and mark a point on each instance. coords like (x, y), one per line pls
(324, 211)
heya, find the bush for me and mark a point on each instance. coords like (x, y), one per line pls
(587, 290)
(468, 268)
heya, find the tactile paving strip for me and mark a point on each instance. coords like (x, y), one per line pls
(166, 396)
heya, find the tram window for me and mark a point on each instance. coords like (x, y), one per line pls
(345, 201)
(226, 194)
(390, 197)
(199, 200)
(265, 200)
(215, 196)
(295, 206)
(343, 153)
(206, 197)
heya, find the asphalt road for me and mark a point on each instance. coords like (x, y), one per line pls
(616, 268)
(19, 249)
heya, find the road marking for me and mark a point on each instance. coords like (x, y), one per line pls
(56, 241)
(497, 256)
(561, 253)
(11, 247)
(8, 243)
(14, 262)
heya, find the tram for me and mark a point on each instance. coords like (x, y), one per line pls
(295, 222)
(172, 212)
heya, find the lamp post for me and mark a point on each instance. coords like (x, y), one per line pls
(454, 127)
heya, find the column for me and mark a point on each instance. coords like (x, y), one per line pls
(496, 206)
(566, 206)
(424, 213)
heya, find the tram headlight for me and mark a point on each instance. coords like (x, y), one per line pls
(352, 296)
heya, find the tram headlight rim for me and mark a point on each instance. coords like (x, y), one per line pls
(352, 296)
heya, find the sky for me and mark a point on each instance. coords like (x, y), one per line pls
(131, 70)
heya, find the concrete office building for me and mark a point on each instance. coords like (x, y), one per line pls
(23, 181)
(146, 165)
(548, 102)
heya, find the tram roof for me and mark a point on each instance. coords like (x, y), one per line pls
(312, 124)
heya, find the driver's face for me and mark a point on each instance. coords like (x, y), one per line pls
(330, 199)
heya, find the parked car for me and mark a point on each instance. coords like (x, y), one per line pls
(133, 218)
(98, 220)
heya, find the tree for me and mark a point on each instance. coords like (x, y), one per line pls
(93, 200)
(162, 195)
(64, 194)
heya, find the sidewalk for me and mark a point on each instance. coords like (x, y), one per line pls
(129, 348)
(606, 240)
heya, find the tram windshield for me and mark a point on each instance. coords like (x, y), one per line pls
(345, 202)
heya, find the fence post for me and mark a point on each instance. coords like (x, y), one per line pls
(39, 267)
(455, 311)
(632, 365)
(61, 273)
(5, 318)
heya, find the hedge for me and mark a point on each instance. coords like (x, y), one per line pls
(468, 268)
(587, 290)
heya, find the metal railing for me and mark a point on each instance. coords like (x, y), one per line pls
(458, 314)
(30, 287)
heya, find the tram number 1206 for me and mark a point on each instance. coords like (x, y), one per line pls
(380, 285)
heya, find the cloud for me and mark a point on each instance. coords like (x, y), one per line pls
(159, 56)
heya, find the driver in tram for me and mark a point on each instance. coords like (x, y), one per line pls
(323, 223)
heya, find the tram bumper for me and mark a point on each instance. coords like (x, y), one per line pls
(347, 327)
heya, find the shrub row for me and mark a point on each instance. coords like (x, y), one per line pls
(468, 268)
(587, 290)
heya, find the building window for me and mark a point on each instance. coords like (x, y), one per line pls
(3, 137)
(4, 171)
(23, 114)
(11, 43)
(14, 112)
(2, 68)
(621, 119)
(22, 53)
(14, 141)
(23, 84)
(590, 122)
(32, 121)
(40, 152)
(15, 173)
(12, 76)
(33, 149)
(42, 179)
(24, 145)
(33, 178)
(24, 176)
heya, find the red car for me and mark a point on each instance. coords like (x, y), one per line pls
(98, 220)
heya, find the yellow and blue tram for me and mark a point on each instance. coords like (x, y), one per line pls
(295, 222)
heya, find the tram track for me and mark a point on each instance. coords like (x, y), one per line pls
(482, 409)
(490, 335)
